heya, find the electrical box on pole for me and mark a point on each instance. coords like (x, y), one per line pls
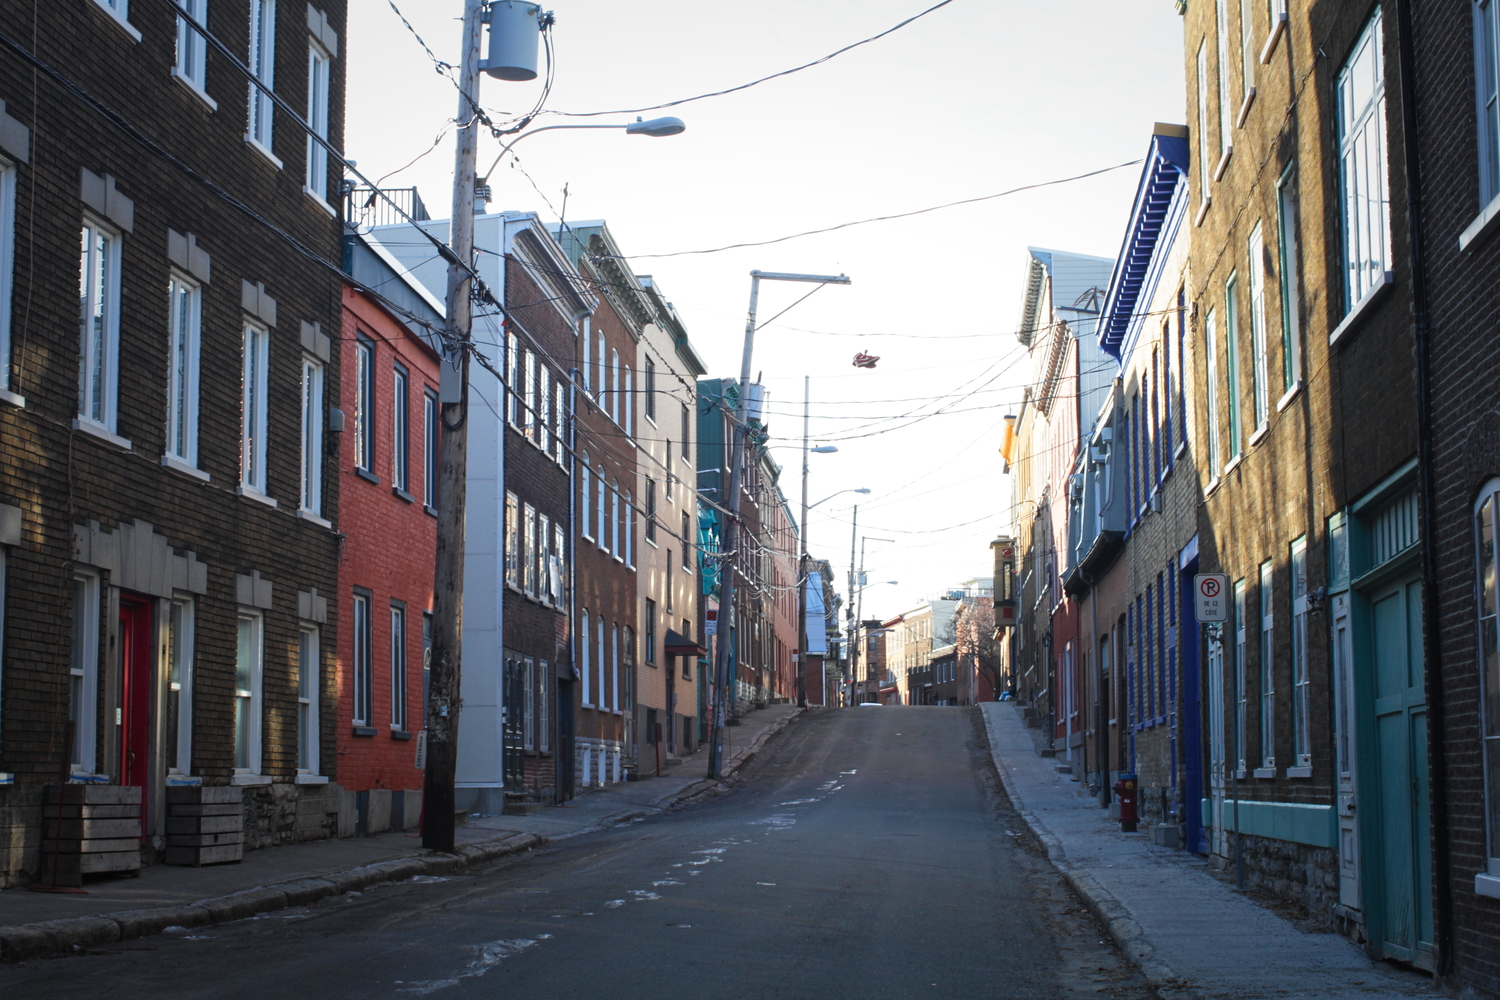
(515, 31)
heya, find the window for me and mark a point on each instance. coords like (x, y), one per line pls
(560, 440)
(185, 319)
(253, 409)
(513, 378)
(312, 437)
(585, 668)
(513, 540)
(398, 666)
(1241, 695)
(628, 527)
(602, 510)
(99, 354)
(687, 543)
(614, 663)
(1487, 78)
(83, 681)
(1286, 257)
(1232, 362)
(430, 450)
(629, 423)
(528, 549)
(599, 660)
(317, 116)
(614, 386)
(543, 556)
(1260, 379)
(543, 706)
(400, 431)
(248, 662)
(1205, 161)
(651, 511)
(7, 268)
(586, 488)
(1267, 670)
(687, 434)
(1226, 109)
(601, 387)
(309, 684)
(671, 580)
(528, 704)
(559, 564)
(650, 631)
(1211, 350)
(364, 675)
(192, 49)
(585, 355)
(614, 519)
(544, 409)
(427, 627)
(1362, 168)
(650, 390)
(179, 653)
(1247, 46)
(262, 63)
(532, 396)
(1489, 665)
(1301, 710)
(364, 404)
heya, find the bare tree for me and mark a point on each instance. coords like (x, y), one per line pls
(971, 631)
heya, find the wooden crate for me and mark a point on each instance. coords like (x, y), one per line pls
(205, 825)
(89, 829)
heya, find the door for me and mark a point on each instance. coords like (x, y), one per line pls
(137, 673)
(1344, 751)
(513, 731)
(1192, 714)
(1399, 880)
(1217, 746)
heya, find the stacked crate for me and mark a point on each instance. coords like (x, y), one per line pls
(205, 825)
(89, 829)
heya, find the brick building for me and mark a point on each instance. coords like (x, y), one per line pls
(387, 457)
(1300, 289)
(169, 509)
(1452, 61)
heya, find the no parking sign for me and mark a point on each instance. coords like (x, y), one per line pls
(1211, 597)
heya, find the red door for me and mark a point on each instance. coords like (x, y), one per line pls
(136, 673)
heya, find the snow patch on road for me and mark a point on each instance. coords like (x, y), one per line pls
(486, 957)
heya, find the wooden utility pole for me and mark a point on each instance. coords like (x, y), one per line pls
(448, 592)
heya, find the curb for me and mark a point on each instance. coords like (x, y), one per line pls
(58, 937)
(1108, 910)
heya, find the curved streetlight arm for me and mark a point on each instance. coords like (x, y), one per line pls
(840, 492)
(657, 127)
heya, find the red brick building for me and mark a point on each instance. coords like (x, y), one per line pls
(386, 456)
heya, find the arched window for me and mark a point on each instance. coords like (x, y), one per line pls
(586, 488)
(584, 670)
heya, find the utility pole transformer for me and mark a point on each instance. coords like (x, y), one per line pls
(448, 591)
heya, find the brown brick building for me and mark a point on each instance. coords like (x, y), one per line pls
(169, 506)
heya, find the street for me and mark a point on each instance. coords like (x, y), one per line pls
(864, 853)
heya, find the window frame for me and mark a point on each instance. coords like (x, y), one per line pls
(1301, 672)
(401, 429)
(1363, 277)
(190, 59)
(99, 356)
(1211, 361)
(184, 364)
(586, 487)
(1232, 366)
(8, 175)
(398, 642)
(1241, 673)
(1267, 594)
(585, 666)
(650, 388)
(364, 404)
(1260, 375)
(254, 398)
(319, 73)
(1287, 250)
(1487, 649)
(178, 651)
(260, 127)
(309, 669)
(310, 494)
(362, 655)
(83, 671)
(248, 753)
(431, 449)
(513, 549)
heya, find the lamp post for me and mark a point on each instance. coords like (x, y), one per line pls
(655, 127)
(731, 506)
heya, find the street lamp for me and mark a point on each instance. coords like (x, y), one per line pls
(731, 502)
(655, 127)
(862, 489)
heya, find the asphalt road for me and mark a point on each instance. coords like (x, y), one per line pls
(866, 854)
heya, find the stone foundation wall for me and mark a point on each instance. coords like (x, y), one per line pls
(1298, 873)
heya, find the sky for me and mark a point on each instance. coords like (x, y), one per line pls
(975, 98)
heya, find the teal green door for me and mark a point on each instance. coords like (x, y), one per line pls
(1399, 880)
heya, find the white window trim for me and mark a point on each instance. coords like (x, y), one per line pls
(254, 723)
(401, 429)
(187, 456)
(86, 731)
(319, 71)
(194, 77)
(362, 673)
(262, 63)
(7, 277)
(365, 404)
(184, 748)
(1372, 115)
(310, 489)
(431, 437)
(585, 675)
(1260, 372)
(254, 422)
(400, 662)
(1301, 667)
(1266, 598)
(120, 15)
(110, 298)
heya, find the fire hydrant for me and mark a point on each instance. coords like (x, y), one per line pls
(1125, 791)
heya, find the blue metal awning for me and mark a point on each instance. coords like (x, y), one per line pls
(1164, 175)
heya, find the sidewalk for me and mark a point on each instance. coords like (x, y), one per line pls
(34, 924)
(1191, 934)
